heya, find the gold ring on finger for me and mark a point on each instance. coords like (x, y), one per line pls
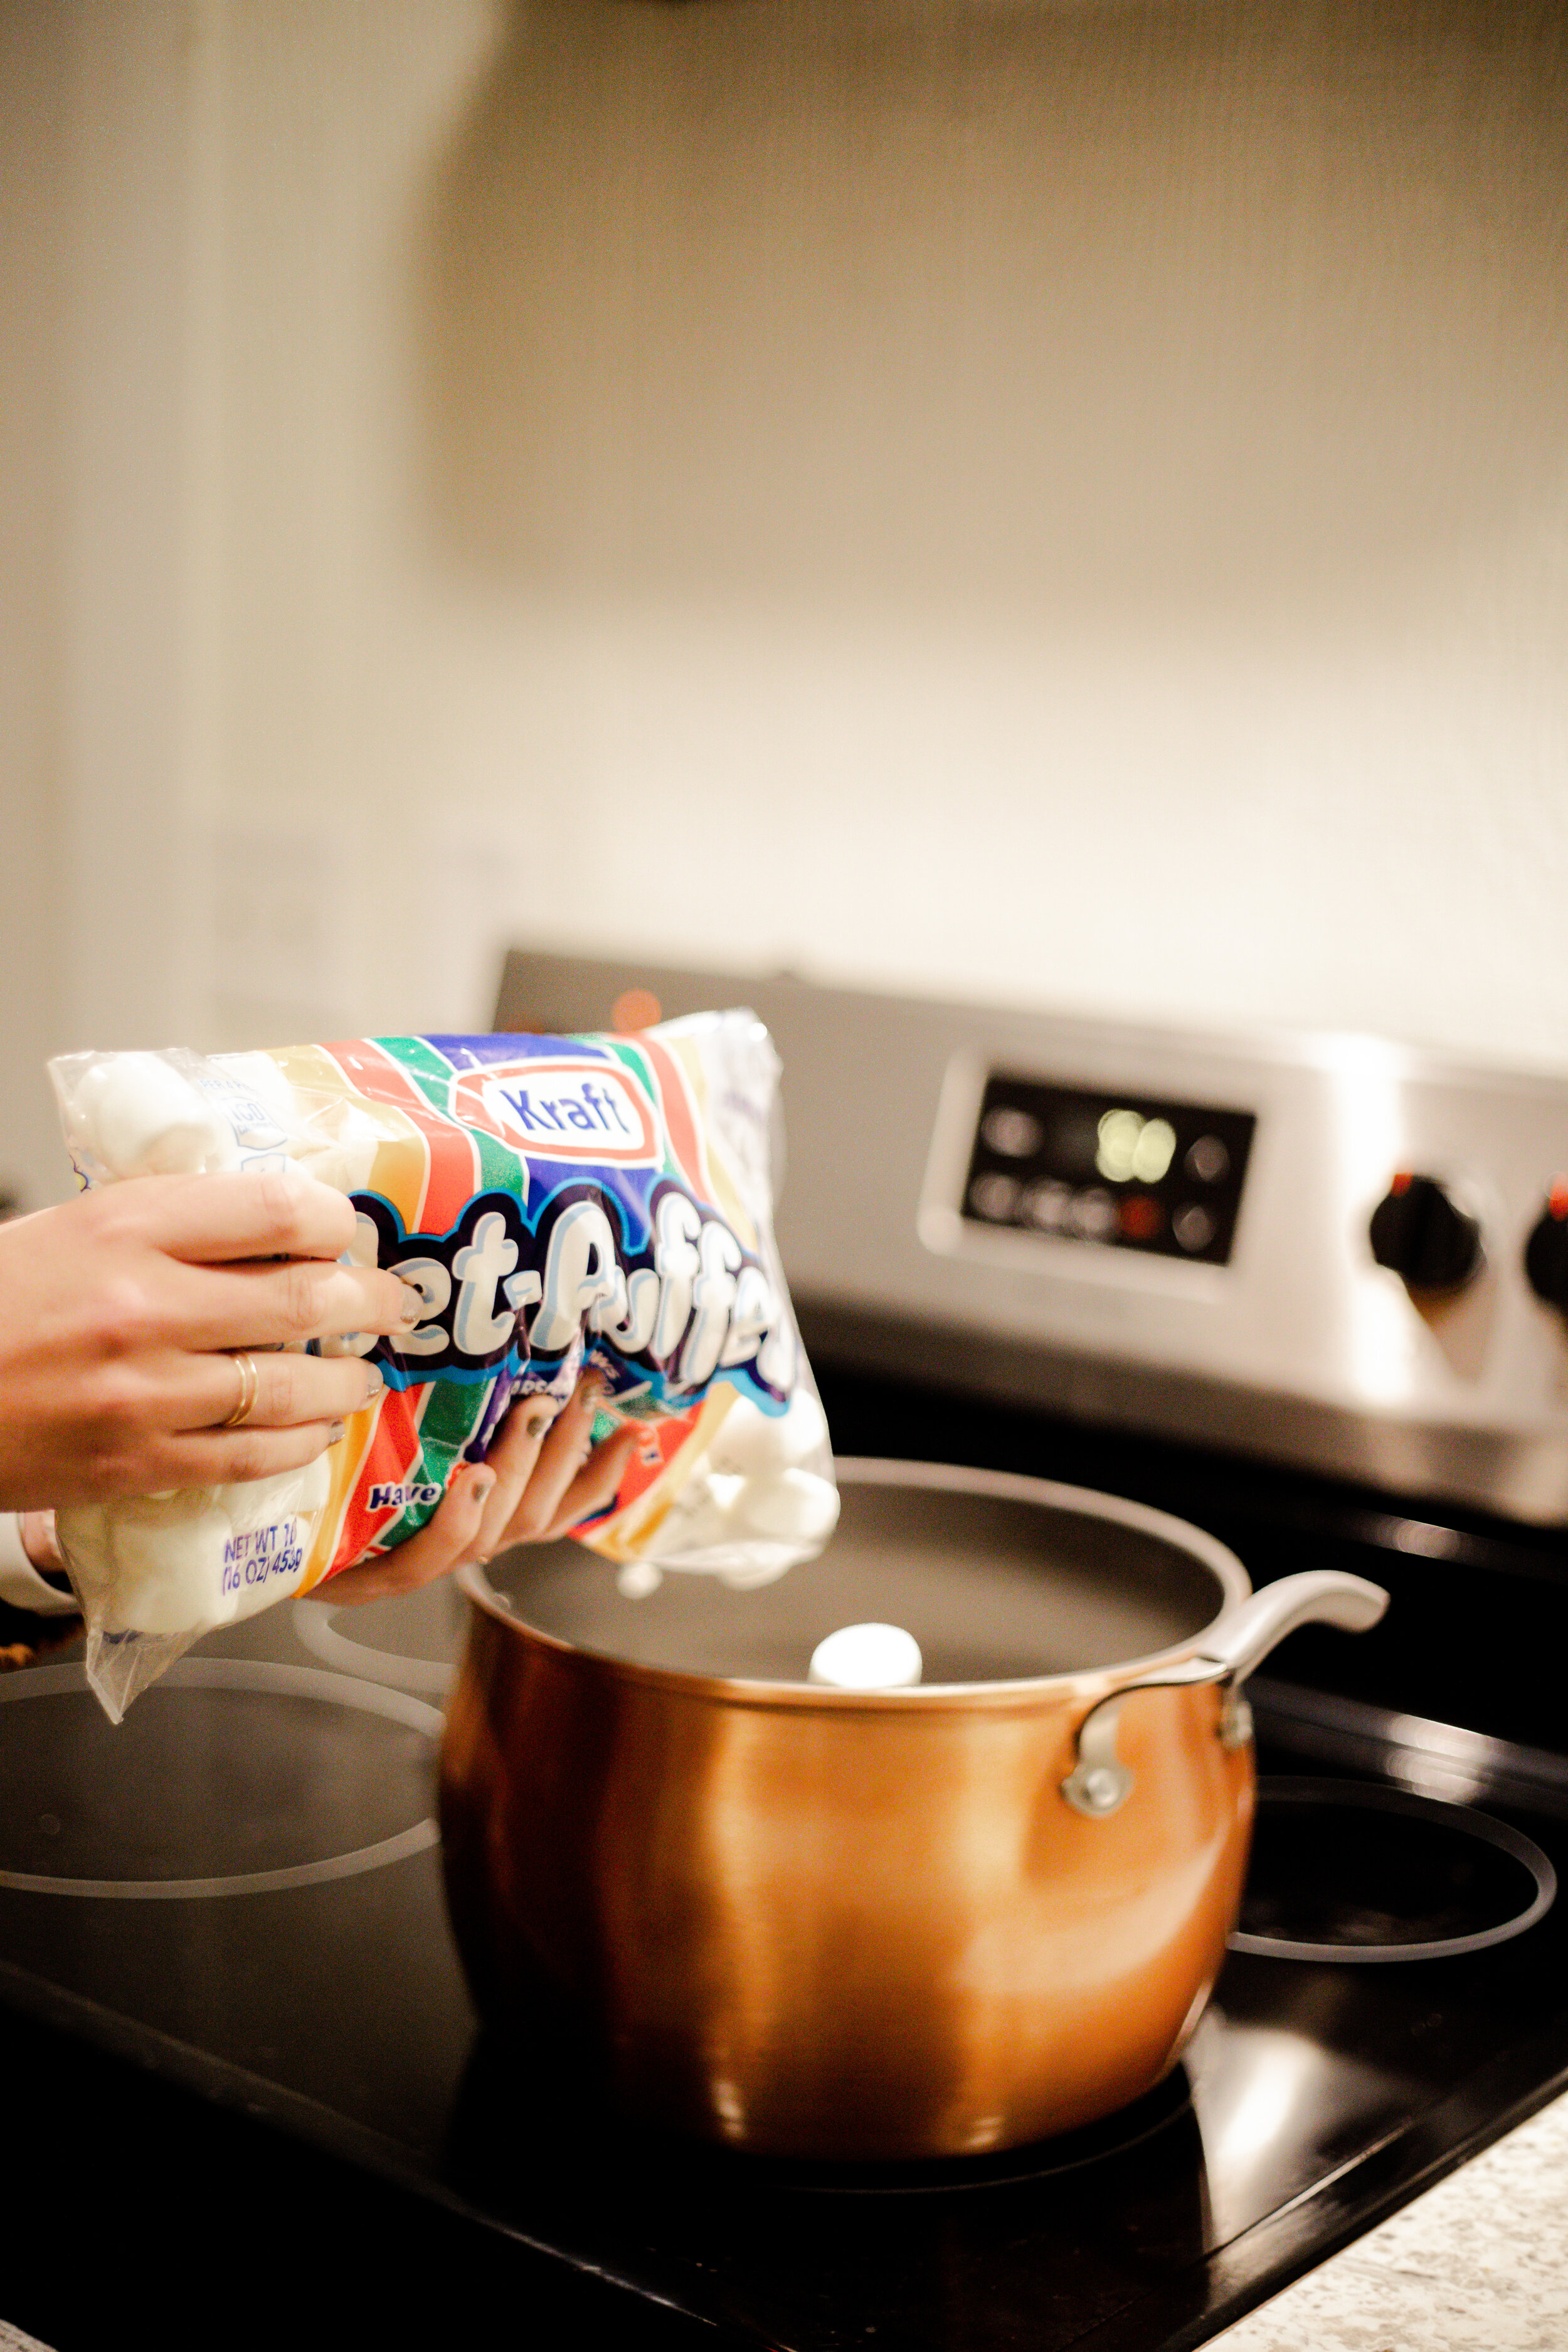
(249, 1382)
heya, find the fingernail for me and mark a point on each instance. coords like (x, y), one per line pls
(339, 1430)
(375, 1381)
(479, 1484)
(539, 1421)
(413, 1307)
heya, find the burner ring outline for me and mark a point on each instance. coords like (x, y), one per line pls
(244, 1674)
(315, 1631)
(1285, 1789)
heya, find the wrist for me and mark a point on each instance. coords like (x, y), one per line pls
(21, 1582)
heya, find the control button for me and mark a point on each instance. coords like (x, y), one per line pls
(1207, 1161)
(1193, 1227)
(1011, 1133)
(1093, 1213)
(1129, 1146)
(1046, 1205)
(1142, 1217)
(1420, 1235)
(1546, 1251)
(995, 1197)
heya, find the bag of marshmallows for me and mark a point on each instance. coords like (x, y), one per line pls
(558, 1203)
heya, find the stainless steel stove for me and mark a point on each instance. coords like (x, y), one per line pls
(1308, 1294)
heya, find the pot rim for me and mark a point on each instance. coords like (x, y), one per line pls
(935, 1478)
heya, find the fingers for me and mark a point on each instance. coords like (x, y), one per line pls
(535, 1481)
(230, 1457)
(558, 1459)
(219, 1220)
(251, 1261)
(290, 1390)
(514, 1457)
(271, 1306)
(598, 1482)
(562, 1481)
(442, 1544)
(544, 1475)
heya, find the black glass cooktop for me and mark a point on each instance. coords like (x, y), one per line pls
(245, 2080)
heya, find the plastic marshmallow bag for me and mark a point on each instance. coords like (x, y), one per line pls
(558, 1203)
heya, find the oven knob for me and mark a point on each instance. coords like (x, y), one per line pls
(1546, 1251)
(1417, 1231)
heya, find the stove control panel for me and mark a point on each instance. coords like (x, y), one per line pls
(1331, 1251)
(1123, 1172)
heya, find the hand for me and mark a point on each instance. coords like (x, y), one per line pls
(118, 1312)
(544, 1474)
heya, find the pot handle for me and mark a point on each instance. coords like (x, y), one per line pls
(1099, 1782)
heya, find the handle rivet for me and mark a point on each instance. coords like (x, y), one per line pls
(1098, 1791)
(1235, 1721)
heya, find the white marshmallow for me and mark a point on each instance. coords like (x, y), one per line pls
(183, 1562)
(637, 1578)
(283, 1511)
(796, 1507)
(171, 1577)
(868, 1658)
(762, 1442)
(699, 1516)
(337, 1145)
(345, 1163)
(259, 1076)
(143, 1119)
(315, 1483)
(168, 1564)
(260, 1501)
(767, 1564)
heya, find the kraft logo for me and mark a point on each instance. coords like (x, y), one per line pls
(398, 1498)
(564, 1109)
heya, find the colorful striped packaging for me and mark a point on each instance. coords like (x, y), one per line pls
(558, 1203)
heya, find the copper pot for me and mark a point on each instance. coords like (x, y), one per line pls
(845, 1925)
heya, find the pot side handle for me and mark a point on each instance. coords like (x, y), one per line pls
(1100, 1783)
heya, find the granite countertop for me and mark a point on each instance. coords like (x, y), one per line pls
(1479, 2263)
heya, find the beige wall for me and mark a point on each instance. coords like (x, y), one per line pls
(32, 166)
(1063, 502)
